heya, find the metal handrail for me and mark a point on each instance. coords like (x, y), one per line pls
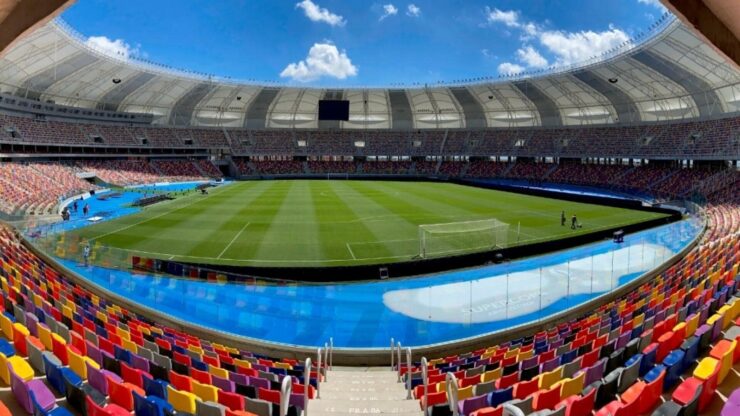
(408, 373)
(392, 345)
(326, 361)
(425, 383)
(511, 410)
(451, 387)
(318, 373)
(330, 363)
(286, 388)
(306, 384)
(398, 359)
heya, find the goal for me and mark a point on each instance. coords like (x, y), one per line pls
(437, 240)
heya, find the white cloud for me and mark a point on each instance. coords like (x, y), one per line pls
(323, 60)
(510, 68)
(573, 47)
(654, 3)
(118, 47)
(389, 10)
(413, 10)
(509, 18)
(320, 14)
(531, 57)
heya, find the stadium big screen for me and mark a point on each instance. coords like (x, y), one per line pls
(333, 110)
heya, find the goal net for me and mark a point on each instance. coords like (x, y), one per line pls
(437, 240)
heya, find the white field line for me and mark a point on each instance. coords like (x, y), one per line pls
(145, 220)
(233, 239)
(350, 252)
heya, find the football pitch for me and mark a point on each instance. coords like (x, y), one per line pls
(319, 223)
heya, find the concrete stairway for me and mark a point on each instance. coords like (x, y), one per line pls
(363, 391)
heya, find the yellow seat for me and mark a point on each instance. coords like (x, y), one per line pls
(465, 393)
(7, 327)
(19, 365)
(692, 324)
(182, 401)
(546, 380)
(77, 363)
(726, 312)
(285, 366)
(45, 336)
(130, 346)
(491, 375)
(218, 371)
(705, 368)
(242, 363)
(714, 318)
(206, 392)
(572, 386)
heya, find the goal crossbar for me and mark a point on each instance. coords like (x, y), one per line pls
(460, 237)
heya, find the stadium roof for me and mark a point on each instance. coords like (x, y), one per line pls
(669, 74)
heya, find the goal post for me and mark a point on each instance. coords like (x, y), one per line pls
(451, 238)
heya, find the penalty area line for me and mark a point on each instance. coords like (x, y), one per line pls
(233, 239)
(351, 252)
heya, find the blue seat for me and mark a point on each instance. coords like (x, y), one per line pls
(690, 348)
(500, 396)
(634, 359)
(156, 388)
(648, 358)
(653, 374)
(122, 355)
(7, 348)
(199, 365)
(568, 357)
(151, 406)
(55, 375)
(674, 368)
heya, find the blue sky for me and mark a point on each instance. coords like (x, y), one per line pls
(357, 42)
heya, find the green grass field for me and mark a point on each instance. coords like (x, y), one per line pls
(332, 223)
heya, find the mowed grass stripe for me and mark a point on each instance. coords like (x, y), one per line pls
(395, 222)
(195, 230)
(263, 212)
(294, 233)
(338, 220)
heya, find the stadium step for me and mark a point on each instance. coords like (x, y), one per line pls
(363, 391)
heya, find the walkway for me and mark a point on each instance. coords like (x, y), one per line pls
(353, 390)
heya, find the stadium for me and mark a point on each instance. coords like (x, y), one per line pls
(562, 238)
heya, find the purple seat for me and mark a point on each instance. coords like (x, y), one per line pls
(139, 362)
(259, 382)
(716, 329)
(239, 378)
(550, 365)
(732, 406)
(472, 404)
(223, 384)
(260, 367)
(623, 340)
(595, 372)
(483, 362)
(32, 324)
(94, 353)
(557, 343)
(297, 400)
(22, 392)
(529, 362)
(96, 379)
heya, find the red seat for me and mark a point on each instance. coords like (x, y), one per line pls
(507, 380)
(686, 391)
(579, 405)
(133, 375)
(617, 408)
(181, 382)
(546, 399)
(233, 401)
(489, 411)
(434, 399)
(93, 409)
(121, 394)
(648, 394)
(523, 389)
(272, 396)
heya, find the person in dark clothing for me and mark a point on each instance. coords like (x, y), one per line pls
(562, 219)
(86, 209)
(573, 222)
(74, 206)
